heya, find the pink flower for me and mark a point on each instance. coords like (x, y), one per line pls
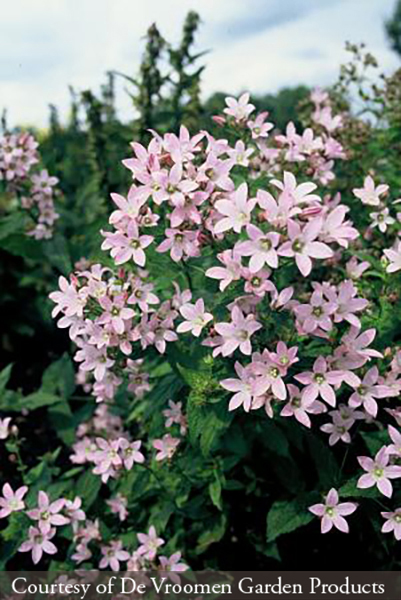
(94, 360)
(356, 269)
(299, 407)
(332, 512)
(394, 256)
(128, 208)
(39, 543)
(12, 501)
(299, 194)
(118, 506)
(378, 472)
(260, 247)
(303, 246)
(112, 555)
(236, 210)
(48, 513)
(130, 453)
(354, 351)
(126, 246)
(173, 564)
(317, 313)
(370, 194)
(247, 387)
(366, 392)
(180, 243)
(258, 127)
(338, 429)
(231, 270)
(116, 313)
(395, 448)
(173, 414)
(325, 118)
(320, 382)
(149, 543)
(69, 300)
(195, 318)
(347, 304)
(239, 109)
(237, 334)
(393, 523)
(382, 219)
(166, 447)
(73, 511)
(107, 455)
(335, 229)
(5, 428)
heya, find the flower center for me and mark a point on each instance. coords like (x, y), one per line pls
(256, 281)
(362, 390)
(319, 378)
(397, 518)
(298, 246)
(265, 244)
(274, 372)
(330, 511)
(378, 472)
(317, 311)
(45, 515)
(135, 244)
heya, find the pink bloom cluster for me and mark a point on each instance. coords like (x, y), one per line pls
(297, 341)
(18, 155)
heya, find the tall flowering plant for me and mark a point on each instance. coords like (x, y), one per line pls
(231, 322)
(25, 186)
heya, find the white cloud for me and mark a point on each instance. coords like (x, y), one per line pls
(259, 45)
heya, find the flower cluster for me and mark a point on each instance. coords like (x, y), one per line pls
(49, 515)
(35, 189)
(264, 251)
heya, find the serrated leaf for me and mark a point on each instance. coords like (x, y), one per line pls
(285, 517)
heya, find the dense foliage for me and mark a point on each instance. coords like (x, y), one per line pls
(233, 371)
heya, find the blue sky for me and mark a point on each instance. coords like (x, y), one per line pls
(258, 45)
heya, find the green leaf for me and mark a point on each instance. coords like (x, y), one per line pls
(375, 440)
(350, 489)
(12, 224)
(212, 535)
(59, 377)
(88, 487)
(57, 252)
(215, 492)
(325, 462)
(274, 439)
(20, 244)
(37, 400)
(4, 377)
(286, 516)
